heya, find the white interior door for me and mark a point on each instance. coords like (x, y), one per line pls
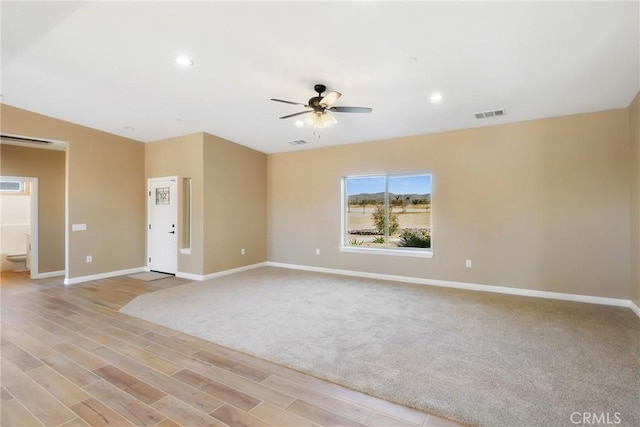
(162, 237)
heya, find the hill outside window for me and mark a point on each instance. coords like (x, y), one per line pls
(387, 214)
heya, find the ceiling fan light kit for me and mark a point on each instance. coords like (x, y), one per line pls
(320, 120)
(319, 116)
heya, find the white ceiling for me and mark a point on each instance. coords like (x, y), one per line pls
(111, 65)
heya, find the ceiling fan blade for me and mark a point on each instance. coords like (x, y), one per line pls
(351, 109)
(294, 114)
(330, 98)
(288, 102)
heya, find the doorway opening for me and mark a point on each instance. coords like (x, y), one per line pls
(19, 224)
(34, 217)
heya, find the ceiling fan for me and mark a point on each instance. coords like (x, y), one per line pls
(319, 116)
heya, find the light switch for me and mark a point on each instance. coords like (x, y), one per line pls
(78, 227)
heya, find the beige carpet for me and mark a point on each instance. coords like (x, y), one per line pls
(150, 276)
(479, 358)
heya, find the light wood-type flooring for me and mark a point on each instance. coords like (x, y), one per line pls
(69, 358)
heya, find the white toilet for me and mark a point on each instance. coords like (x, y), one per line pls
(19, 262)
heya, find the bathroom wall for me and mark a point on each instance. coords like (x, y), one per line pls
(15, 219)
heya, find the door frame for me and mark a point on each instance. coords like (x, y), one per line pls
(33, 195)
(148, 199)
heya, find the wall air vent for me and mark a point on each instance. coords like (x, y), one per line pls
(24, 139)
(30, 142)
(298, 142)
(490, 113)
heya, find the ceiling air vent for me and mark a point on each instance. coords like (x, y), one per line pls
(298, 142)
(490, 113)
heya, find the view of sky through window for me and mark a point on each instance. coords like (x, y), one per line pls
(416, 184)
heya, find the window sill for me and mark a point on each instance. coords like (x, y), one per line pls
(392, 252)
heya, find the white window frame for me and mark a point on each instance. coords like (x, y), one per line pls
(403, 252)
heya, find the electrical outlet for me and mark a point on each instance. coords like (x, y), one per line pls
(317, 251)
(242, 251)
(468, 263)
(89, 258)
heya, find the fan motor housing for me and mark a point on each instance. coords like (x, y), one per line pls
(315, 102)
(320, 88)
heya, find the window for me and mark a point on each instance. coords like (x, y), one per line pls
(162, 196)
(186, 215)
(387, 214)
(10, 186)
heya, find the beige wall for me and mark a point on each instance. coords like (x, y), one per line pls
(106, 188)
(228, 199)
(182, 157)
(235, 205)
(49, 167)
(634, 139)
(542, 205)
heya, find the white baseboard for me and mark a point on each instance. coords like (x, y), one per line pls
(189, 276)
(468, 286)
(107, 275)
(635, 308)
(220, 273)
(82, 279)
(49, 274)
(405, 279)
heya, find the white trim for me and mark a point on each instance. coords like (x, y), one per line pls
(634, 308)
(386, 251)
(221, 273)
(67, 221)
(405, 279)
(380, 251)
(185, 251)
(234, 270)
(343, 212)
(82, 279)
(33, 226)
(34, 262)
(468, 286)
(189, 276)
(49, 274)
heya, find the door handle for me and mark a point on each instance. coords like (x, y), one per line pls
(172, 232)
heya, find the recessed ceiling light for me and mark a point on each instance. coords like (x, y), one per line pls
(179, 120)
(184, 61)
(299, 123)
(436, 97)
(128, 128)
